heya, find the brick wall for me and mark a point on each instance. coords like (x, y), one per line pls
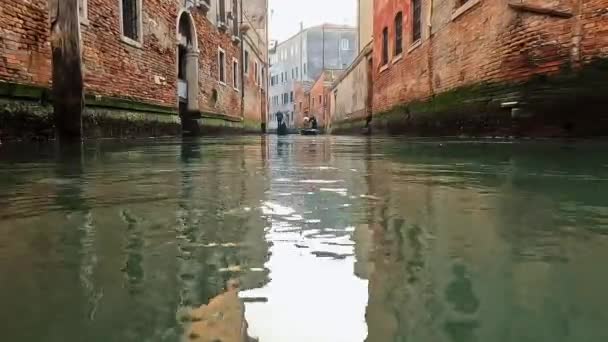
(255, 91)
(301, 102)
(117, 69)
(25, 53)
(317, 103)
(489, 42)
(113, 68)
(210, 39)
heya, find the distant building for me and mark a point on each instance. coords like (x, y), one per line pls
(302, 59)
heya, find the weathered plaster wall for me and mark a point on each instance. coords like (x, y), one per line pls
(255, 43)
(366, 22)
(349, 97)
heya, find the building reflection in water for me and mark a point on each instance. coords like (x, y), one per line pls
(333, 239)
(479, 245)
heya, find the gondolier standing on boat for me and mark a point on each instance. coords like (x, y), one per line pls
(281, 125)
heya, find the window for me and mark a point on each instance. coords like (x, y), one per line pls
(291, 97)
(345, 44)
(222, 11)
(300, 106)
(398, 33)
(131, 19)
(256, 71)
(282, 78)
(313, 101)
(221, 65)
(417, 23)
(235, 74)
(304, 69)
(297, 72)
(246, 62)
(320, 101)
(263, 80)
(385, 46)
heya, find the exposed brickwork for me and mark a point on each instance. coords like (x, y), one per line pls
(25, 53)
(210, 39)
(490, 42)
(255, 91)
(113, 68)
(318, 94)
(301, 102)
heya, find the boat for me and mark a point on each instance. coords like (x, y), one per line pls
(282, 129)
(309, 131)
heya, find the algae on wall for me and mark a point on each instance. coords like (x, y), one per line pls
(570, 103)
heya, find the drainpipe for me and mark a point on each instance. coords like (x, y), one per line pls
(430, 50)
(241, 57)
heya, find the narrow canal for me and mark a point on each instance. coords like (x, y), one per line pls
(331, 239)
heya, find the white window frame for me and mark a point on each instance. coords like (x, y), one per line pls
(345, 44)
(84, 15)
(235, 74)
(221, 51)
(137, 43)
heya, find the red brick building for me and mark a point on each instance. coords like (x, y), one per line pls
(136, 61)
(320, 96)
(301, 102)
(483, 66)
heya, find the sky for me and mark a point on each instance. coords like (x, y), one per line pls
(286, 15)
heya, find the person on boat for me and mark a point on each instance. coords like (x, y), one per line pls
(281, 125)
(313, 123)
(306, 123)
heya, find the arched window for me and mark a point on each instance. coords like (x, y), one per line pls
(398, 33)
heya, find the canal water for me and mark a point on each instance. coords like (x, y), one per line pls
(332, 239)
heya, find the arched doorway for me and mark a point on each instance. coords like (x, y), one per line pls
(187, 65)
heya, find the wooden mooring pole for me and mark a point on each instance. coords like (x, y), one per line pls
(68, 87)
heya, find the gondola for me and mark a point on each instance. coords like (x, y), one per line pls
(309, 131)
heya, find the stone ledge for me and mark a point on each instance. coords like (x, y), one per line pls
(552, 12)
(44, 96)
(117, 103)
(211, 115)
(465, 8)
